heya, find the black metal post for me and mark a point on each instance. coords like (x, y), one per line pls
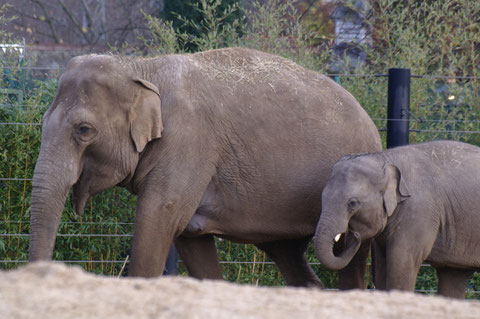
(398, 107)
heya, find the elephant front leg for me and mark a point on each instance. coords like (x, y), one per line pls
(379, 266)
(156, 226)
(353, 276)
(199, 255)
(402, 268)
(181, 165)
(150, 248)
(405, 251)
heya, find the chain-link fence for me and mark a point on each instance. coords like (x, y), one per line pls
(99, 240)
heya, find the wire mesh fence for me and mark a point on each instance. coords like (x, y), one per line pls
(99, 240)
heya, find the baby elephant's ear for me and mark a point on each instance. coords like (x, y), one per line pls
(396, 190)
(145, 115)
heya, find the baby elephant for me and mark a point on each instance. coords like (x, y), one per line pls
(419, 203)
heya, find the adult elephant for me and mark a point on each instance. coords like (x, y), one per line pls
(234, 143)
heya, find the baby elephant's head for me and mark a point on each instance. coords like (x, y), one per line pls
(361, 193)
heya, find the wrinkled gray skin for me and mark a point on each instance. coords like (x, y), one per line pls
(420, 203)
(234, 143)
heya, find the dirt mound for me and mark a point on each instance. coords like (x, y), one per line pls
(46, 290)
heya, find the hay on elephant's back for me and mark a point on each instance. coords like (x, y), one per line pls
(249, 66)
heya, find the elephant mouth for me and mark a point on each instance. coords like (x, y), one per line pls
(79, 197)
(344, 242)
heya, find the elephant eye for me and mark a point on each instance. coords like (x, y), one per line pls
(353, 204)
(85, 132)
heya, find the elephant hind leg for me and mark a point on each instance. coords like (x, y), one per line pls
(199, 255)
(452, 282)
(289, 256)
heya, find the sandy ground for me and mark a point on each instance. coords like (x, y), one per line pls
(48, 290)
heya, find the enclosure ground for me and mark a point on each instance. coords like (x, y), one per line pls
(48, 290)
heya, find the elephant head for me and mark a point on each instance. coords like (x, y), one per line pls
(92, 136)
(361, 194)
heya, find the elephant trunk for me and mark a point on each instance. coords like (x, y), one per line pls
(49, 192)
(329, 231)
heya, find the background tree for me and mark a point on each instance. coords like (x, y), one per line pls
(197, 19)
(81, 22)
(317, 15)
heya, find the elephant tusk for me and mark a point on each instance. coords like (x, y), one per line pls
(337, 238)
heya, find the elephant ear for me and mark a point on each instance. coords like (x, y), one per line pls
(396, 190)
(145, 115)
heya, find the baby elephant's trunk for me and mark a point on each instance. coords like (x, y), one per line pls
(327, 234)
